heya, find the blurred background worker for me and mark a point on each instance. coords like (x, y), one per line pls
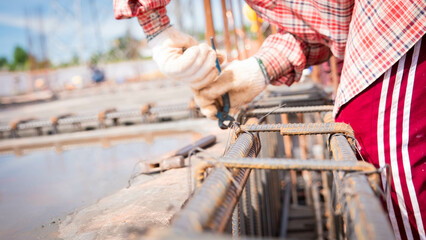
(382, 82)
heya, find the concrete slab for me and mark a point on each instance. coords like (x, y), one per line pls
(150, 201)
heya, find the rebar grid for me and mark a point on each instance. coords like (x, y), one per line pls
(207, 209)
(223, 200)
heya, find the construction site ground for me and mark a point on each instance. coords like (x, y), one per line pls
(150, 199)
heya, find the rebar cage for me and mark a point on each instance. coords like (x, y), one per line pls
(290, 172)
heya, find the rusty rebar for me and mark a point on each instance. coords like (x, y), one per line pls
(294, 164)
(283, 110)
(362, 211)
(215, 199)
(301, 128)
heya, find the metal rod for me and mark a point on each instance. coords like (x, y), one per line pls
(285, 209)
(288, 146)
(363, 214)
(200, 210)
(300, 129)
(304, 155)
(294, 164)
(255, 202)
(304, 109)
(317, 210)
(209, 19)
(226, 37)
(236, 231)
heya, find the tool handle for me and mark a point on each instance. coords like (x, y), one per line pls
(223, 116)
(217, 59)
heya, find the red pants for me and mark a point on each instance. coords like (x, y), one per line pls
(389, 120)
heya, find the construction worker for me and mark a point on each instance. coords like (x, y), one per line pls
(382, 84)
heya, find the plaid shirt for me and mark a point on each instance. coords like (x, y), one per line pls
(151, 14)
(370, 35)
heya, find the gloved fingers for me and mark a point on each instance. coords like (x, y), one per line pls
(202, 101)
(207, 106)
(195, 62)
(190, 42)
(209, 111)
(222, 85)
(176, 62)
(221, 56)
(204, 64)
(201, 82)
(233, 111)
(177, 39)
(204, 76)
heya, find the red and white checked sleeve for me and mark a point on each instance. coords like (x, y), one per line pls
(151, 14)
(285, 56)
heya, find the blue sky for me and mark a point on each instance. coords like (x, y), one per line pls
(67, 36)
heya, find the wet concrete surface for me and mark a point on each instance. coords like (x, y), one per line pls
(149, 203)
(39, 189)
(81, 193)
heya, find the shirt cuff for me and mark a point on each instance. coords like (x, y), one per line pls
(284, 58)
(154, 21)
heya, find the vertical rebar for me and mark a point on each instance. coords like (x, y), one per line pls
(285, 208)
(288, 153)
(329, 212)
(307, 177)
(247, 209)
(317, 208)
(255, 201)
(236, 222)
(209, 19)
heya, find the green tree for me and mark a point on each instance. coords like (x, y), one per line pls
(3, 63)
(20, 55)
(75, 60)
(20, 59)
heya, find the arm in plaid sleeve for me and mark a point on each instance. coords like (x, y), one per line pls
(285, 56)
(151, 14)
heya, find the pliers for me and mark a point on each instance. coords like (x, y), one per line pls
(223, 116)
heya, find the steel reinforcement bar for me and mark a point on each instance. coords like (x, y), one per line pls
(291, 164)
(282, 110)
(362, 210)
(213, 202)
(300, 128)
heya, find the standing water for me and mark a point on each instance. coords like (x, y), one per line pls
(41, 188)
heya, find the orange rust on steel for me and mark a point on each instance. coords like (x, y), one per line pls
(209, 19)
(226, 36)
(292, 164)
(241, 31)
(200, 169)
(225, 210)
(230, 15)
(288, 146)
(363, 209)
(301, 129)
(284, 110)
(307, 177)
(334, 73)
(213, 202)
(102, 115)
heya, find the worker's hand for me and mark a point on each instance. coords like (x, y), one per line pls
(180, 57)
(242, 80)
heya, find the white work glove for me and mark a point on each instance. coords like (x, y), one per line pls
(181, 57)
(242, 80)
